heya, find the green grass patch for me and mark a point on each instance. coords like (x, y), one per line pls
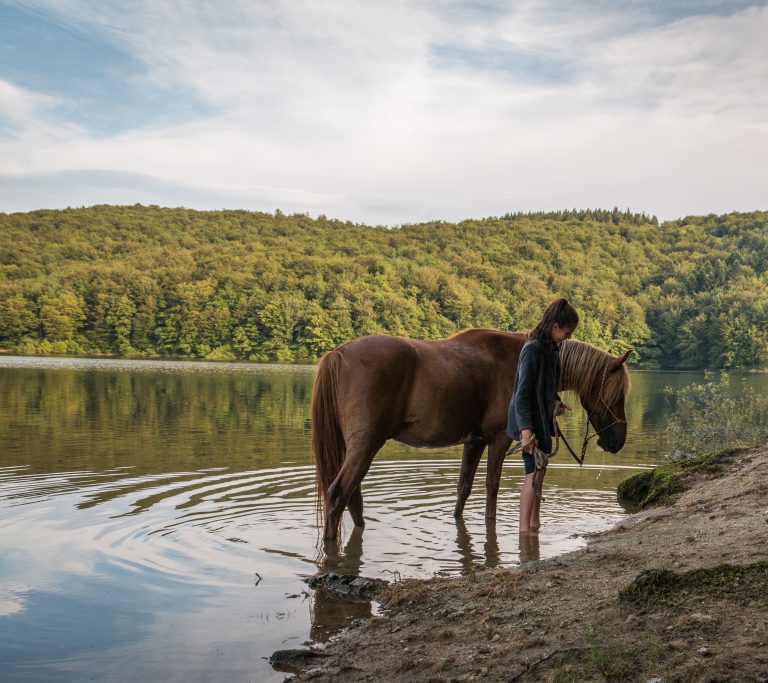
(661, 485)
(738, 583)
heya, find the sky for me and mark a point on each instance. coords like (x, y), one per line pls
(385, 111)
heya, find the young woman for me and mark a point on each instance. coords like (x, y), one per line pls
(535, 401)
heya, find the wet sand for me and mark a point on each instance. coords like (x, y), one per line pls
(672, 593)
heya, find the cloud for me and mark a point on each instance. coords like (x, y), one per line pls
(403, 111)
(18, 105)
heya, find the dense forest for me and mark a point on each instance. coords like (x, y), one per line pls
(147, 281)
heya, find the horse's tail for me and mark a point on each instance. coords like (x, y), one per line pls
(328, 444)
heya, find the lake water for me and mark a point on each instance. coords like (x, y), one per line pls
(156, 518)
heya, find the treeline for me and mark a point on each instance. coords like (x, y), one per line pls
(150, 281)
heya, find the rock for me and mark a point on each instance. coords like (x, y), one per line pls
(496, 638)
(347, 585)
(705, 651)
(293, 661)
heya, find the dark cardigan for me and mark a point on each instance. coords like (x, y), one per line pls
(533, 401)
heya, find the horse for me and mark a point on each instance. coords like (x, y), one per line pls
(433, 394)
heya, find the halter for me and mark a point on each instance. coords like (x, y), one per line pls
(587, 438)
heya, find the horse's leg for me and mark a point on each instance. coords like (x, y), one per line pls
(496, 452)
(355, 507)
(343, 489)
(470, 459)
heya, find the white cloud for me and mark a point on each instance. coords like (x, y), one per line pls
(348, 109)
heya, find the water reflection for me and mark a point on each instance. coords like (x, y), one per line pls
(157, 492)
(470, 559)
(530, 548)
(331, 613)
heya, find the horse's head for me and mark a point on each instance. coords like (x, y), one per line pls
(605, 404)
(602, 382)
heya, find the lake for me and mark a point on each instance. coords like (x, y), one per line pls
(157, 518)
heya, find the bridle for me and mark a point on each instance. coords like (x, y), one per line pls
(600, 399)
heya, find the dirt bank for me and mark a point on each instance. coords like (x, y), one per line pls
(675, 593)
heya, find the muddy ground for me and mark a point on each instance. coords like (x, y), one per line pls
(674, 593)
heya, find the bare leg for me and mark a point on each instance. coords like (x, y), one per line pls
(496, 453)
(470, 459)
(530, 502)
(355, 507)
(535, 521)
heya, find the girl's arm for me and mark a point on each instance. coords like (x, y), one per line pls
(525, 394)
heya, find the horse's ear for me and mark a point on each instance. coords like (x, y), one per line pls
(616, 363)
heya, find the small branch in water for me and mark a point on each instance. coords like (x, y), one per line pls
(258, 578)
(532, 666)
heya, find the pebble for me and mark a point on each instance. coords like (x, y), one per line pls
(496, 638)
(705, 651)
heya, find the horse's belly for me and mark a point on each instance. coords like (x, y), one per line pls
(424, 439)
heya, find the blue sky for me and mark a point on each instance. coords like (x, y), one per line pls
(385, 112)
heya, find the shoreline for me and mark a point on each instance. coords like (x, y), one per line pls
(108, 355)
(678, 592)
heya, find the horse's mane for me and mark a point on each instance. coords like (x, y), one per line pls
(581, 364)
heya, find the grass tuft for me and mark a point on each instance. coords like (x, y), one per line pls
(661, 485)
(739, 583)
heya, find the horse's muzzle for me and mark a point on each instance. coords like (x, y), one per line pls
(611, 442)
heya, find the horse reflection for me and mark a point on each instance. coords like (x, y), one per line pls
(468, 557)
(528, 547)
(331, 613)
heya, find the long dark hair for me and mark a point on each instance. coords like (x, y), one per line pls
(560, 312)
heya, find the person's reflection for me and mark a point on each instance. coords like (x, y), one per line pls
(529, 547)
(331, 613)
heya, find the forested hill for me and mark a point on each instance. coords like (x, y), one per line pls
(235, 284)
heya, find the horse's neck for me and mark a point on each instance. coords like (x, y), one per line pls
(580, 376)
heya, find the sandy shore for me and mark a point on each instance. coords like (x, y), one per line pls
(675, 593)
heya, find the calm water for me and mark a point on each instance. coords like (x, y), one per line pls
(156, 518)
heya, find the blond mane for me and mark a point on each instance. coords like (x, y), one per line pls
(581, 364)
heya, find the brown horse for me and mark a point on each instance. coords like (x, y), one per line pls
(433, 394)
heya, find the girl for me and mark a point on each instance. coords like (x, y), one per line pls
(535, 401)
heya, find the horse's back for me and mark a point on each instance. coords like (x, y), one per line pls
(428, 392)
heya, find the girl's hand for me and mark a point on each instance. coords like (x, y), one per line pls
(528, 440)
(560, 409)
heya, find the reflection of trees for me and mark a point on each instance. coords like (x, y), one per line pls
(58, 420)
(331, 613)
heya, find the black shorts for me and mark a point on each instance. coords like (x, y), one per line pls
(529, 462)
